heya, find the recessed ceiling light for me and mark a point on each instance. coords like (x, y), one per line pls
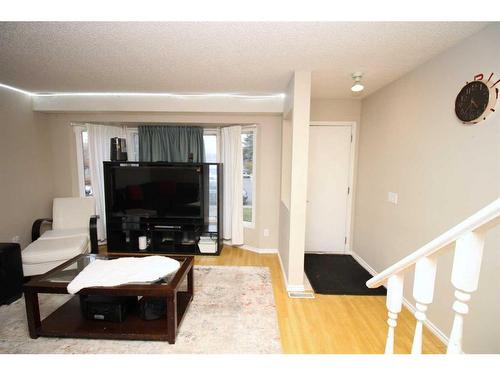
(357, 86)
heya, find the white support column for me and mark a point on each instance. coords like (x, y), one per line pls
(465, 279)
(394, 302)
(423, 292)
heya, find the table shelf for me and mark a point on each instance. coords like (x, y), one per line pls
(68, 321)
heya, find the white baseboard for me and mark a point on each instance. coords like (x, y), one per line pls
(258, 250)
(365, 265)
(289, 287)
(295, 288)
(431, 326)
(336, 252)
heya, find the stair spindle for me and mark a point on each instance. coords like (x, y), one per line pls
(465, 279)
(423, 292)
(394, 303)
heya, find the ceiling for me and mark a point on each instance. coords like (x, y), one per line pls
(202, 57)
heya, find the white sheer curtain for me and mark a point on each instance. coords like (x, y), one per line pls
(232, 157)
(99, 145)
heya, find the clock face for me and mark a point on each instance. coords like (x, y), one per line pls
(472, 101)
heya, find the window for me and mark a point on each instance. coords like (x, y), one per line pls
(87, 183)
(210, 143)
(133, 144)
(248, 137)
(83, 160)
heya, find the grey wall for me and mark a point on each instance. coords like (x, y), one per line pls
(412, 143)
(26, 183)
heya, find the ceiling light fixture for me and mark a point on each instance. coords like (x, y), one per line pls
(357, 86)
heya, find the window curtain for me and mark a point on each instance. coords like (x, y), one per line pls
(99, 147)
(171, 143)
(232, 159)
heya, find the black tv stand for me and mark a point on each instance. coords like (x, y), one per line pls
(167, 235)
(168, 226)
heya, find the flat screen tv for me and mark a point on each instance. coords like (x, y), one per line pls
(149, 191)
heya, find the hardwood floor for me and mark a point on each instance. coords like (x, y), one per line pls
(328, 324)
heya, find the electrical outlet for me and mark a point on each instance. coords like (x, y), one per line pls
(392, 197)
(266, 232)
(15, 239)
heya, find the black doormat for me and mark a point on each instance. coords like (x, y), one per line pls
(339, 274)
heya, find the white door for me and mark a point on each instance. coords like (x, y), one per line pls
(327, 190)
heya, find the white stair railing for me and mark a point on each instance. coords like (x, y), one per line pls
(469, 243)
(394, 303)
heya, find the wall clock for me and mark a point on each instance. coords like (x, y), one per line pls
(477, 99)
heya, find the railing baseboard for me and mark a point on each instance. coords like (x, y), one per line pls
(365, 265)
(428, 324)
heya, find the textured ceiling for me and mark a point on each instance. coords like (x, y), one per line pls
(216, 57)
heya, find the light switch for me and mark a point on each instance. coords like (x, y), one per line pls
(392, 197)
(266, 232)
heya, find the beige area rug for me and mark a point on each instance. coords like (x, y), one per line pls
(233, 311)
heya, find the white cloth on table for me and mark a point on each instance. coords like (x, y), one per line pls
(120, 271)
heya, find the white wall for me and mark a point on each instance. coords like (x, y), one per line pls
(286, 174)
(26, 184)
(336, 110)
(412, 143)
(295, 142)
(63, 151)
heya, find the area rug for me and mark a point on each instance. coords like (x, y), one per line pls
(233, 311)
(338, 274)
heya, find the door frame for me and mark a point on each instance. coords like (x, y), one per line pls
(351, 179)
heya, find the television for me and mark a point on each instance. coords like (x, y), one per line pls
(164, 191)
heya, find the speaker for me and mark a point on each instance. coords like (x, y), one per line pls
(11, 273)
(151, 308)
(108, 308)
(118, 149)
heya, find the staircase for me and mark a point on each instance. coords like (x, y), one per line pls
(468, 237)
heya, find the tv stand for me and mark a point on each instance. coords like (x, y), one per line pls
(168, 227)
(168, 235)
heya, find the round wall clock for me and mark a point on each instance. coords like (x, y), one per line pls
(476, 100)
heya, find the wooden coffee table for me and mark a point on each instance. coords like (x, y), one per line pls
(68, 321)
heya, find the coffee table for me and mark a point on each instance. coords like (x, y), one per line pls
(68, 321)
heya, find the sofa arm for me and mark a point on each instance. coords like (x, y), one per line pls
(94, 246)
(35, 229)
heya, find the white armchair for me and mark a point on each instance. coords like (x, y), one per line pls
(73, 232)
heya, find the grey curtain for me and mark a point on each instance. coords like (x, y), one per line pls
(171, 143)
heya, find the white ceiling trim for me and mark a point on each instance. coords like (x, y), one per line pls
(16, 89)
(159, 103)
(159, 94)
(153, 102)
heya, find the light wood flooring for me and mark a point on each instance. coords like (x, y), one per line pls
(328, 323)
